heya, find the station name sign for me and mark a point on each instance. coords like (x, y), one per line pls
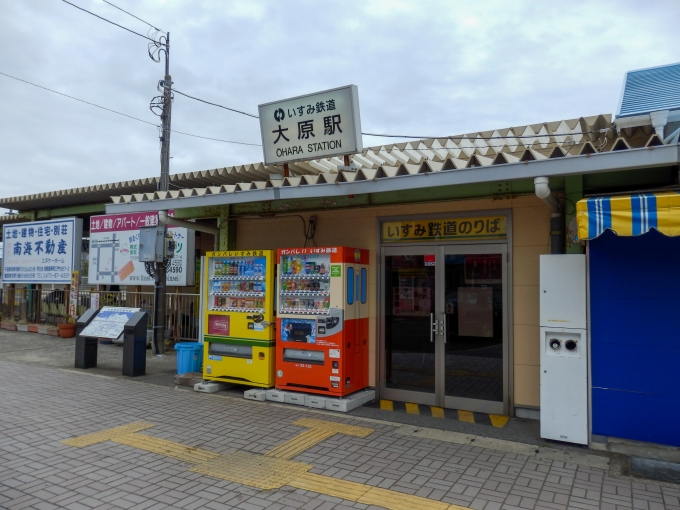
(435, 229)
(319, 125)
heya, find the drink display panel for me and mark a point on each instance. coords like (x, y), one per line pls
(237, 284)
(304, 286)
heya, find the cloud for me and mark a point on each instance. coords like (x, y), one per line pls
(422, 68)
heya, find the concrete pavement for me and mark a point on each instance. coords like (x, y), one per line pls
(192, 446)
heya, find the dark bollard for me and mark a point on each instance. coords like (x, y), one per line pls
(134, 345)
(86, 348)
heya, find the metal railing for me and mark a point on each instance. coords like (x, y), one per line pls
(49, 307)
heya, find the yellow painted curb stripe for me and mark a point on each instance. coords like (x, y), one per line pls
(387, 405)
(412, 408)
(437, 412)
(106, 435)
(466, 416)
(499, 421)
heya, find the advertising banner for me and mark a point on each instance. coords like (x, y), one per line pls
(73, 301)
(41, 251)
(318, 125)
(114, 251)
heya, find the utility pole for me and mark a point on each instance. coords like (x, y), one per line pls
(160, 272)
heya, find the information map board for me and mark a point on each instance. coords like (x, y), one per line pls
(109, 322)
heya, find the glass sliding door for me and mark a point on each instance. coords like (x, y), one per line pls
(408, 307)
(475, 333)
(445, 326)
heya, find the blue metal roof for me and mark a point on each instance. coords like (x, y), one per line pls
(650, 90)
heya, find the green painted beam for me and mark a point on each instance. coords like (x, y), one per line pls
(74, 210)
(630, 179)
(227, 240)
(573, 189)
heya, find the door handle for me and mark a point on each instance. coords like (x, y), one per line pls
(433, 327)
(442, 327)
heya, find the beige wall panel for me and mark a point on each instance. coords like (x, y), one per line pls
(525, 305)
(358, 228)
(527, 388)
(531, 226)
(525, 264)
(527, 344)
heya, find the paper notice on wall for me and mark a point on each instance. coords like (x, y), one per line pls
(475, 312)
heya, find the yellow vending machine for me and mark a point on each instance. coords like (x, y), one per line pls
(239, 327)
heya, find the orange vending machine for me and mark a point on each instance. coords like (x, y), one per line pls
(322, 320)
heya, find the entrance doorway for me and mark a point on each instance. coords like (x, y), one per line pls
(445, 326)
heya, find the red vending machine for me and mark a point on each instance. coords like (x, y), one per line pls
(322, 320)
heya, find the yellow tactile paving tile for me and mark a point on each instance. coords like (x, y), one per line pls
(106, 435)
(412, 408)
(466, 416)
(299, 444)
(252, 469)
(498, 420)
(437, 412)
(330, 486)
(399, 501)
(160, 446)
(272, 471)
(338, 428)
(387, 405)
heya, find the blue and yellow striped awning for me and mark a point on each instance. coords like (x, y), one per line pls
(629, 215)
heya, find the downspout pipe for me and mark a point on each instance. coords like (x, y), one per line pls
(557, 239)
(165, 219)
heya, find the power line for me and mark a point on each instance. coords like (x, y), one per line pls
(537, 135)
(130, 14)
(124, 114)
(108, 21)
(410, 136)
(214, 104)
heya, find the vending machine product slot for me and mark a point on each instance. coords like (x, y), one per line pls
(304, 356)
(234, 351)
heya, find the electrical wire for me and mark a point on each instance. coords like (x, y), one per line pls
(413, 136)
(124, 114)
(80, 100)
(214, 104)
(109, 21)
(486, 137)
(130, 14)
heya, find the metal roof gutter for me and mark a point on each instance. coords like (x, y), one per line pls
(630, 159)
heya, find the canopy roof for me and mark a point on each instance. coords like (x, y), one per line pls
(629, 215)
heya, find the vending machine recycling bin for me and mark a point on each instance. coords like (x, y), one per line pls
(322, 320)
(238, 318)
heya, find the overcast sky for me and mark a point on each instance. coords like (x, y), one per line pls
(422, 67)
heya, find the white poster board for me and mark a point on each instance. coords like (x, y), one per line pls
(114, 251)
(475, 311)
(41, 251)
(109, 322)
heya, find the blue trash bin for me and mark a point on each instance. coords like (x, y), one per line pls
(189, 357)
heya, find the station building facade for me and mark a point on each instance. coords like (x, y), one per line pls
(455, 228)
